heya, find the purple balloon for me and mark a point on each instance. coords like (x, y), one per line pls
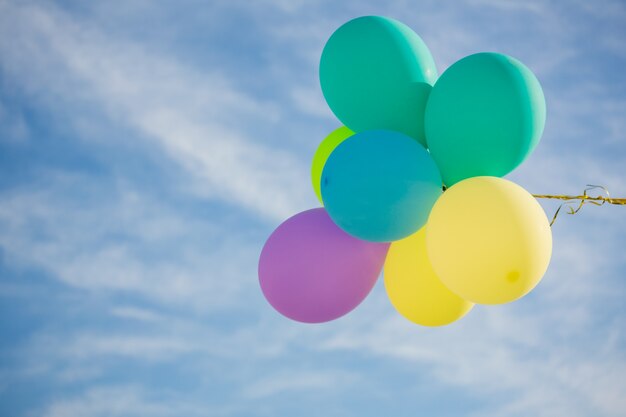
(312, 271)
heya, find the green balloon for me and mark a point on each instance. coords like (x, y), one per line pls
(376, 73)
(484, 116)
(322, 153)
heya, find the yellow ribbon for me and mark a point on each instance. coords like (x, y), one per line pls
(575, 202)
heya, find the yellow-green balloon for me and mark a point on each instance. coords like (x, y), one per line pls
(488, 240)
(322, 153)
(415, 290)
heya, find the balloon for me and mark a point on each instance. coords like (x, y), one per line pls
(376, 73)
(380, 185)
(484, 116)
(323, 152)
(415, 290)
(311, 271)
(488, 240)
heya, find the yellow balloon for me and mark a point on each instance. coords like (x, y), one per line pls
(322, 153)
(488, 240)
(414, 289)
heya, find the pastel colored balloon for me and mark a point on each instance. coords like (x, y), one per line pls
(484, 116)
(311, 271)
(376, 73)
(322, 153)
(380, 185)
(488, 240)
(415, 290)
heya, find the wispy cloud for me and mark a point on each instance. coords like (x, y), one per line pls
(506, 355)
(318, 381)
(162, 277)
(127, 401)
(96, 236)
(195, 117)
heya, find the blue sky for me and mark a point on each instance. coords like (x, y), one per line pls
(147, 150)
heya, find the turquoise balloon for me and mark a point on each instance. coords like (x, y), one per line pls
(376, 73)
(484, 116)
(380, 185)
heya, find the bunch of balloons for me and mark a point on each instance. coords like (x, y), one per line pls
(407, 137)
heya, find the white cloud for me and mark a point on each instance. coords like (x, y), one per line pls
(319, 381)
(138, 347)
(553, 353)
(97, 236)
(508, 355)
(200, 119)
(126, 401)
(511, 6)
(135, 313)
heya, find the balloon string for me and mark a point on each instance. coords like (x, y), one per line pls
(576, 202)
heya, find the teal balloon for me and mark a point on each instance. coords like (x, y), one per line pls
(376, 73)
(484, 117)
(380, 185)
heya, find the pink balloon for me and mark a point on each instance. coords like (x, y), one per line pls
(312, 271)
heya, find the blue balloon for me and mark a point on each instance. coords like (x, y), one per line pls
(380, 185)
